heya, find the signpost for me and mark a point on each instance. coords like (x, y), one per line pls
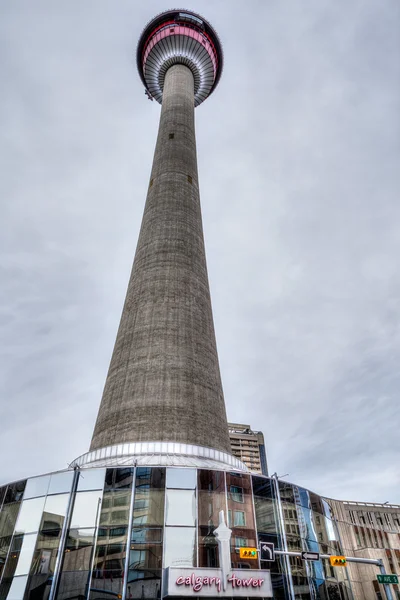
(267, 551)
(387, 579)
(310, 555)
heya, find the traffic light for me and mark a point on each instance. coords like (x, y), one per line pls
(248, 553)
(338, 561)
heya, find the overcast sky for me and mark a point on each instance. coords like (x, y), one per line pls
(299, 166)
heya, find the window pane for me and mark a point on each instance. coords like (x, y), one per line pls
(106, 585)
(109, 535)
(144, 584)
(239, 519)
(61, 482)
(38, 587)
(86, 509)
(110, 557)
(26, 554)
(91, 479)
(45, 554)
(30, 515)
(181, 478)
(73, 585)
(78, 550)
(37, 486)
(14, 492)
(8, 517)
(149, 497)
(142, 535)
(119, 479)
(180, 507)
(54, 512)
(17, 588)
(145, 556)
(180, 549)
(115, 508)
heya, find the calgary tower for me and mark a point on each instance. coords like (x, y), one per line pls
(164, 383)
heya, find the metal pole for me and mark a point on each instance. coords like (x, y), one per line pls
(283, 533)
(129, 534)
(382, 569)
(368, 561)
(63, 537)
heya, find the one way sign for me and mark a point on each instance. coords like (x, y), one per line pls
(267, 551)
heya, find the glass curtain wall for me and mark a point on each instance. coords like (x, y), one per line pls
(309, 526)
(146, 543)
(79, 546)
(267, 522)
(78, 552)
(108, 567)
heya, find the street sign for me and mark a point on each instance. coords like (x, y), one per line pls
(310, 555)
(338, 561)
(267, 551)
(248, 553)
(388, 579)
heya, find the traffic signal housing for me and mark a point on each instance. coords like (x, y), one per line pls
(248, 553)
(338, 561)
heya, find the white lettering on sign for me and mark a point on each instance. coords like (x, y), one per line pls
(237, 581)
(197, 582)
(211, 583)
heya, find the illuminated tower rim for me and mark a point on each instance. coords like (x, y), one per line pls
(184, 18)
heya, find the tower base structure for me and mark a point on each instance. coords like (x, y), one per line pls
(100, 530)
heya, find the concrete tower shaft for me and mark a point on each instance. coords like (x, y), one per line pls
(164, 382)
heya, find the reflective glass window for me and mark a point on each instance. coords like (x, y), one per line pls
(2, 494)
(142, 535)
(91, 479)
(30, 515)
(45, 554)
(61, 482)
(17, 588)
(181, 478)
(55, 509)
(240, 515)
(37, 486)
(115, 508)
(5, 543)
(78, 550)
(105, 584)
(110, 557)
(109, 535)
(15, 492)
(144, 584)
(38, 586)
(119, 478)
(73, 585)
(145, 556)
(180, 507)
(148, 506)
(25, 553)
(211, 500)
(180, 547)
(8, 517)
(86, 510)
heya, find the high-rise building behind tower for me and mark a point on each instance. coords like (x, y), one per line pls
(249, 447)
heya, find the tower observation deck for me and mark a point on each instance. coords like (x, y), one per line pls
(163, 393)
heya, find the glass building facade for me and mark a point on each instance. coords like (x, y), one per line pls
(103, 533)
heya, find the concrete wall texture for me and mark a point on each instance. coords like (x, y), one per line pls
(164, 383)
